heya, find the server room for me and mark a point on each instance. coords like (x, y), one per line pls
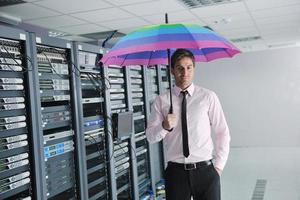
(149, 100)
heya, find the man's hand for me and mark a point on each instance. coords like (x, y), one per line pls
(219, 171)
(169, 121)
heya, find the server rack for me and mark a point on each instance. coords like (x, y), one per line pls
(91, 89)
(121, 148)
(62, 129)
(17, 137)
(57, 121)
(154, 89)
(138, 94)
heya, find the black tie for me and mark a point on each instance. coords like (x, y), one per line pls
(185, 143)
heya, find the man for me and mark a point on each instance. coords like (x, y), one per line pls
(188, 144)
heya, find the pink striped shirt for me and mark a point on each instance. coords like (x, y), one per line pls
(204, 112)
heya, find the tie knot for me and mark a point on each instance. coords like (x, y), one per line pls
(184, 93)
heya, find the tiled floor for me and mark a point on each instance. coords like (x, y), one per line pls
(280, 167)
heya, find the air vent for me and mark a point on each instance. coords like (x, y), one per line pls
(10, 2)
(259, 190)
(246, 39)
(204, 3)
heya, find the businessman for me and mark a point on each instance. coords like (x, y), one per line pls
(194, 160)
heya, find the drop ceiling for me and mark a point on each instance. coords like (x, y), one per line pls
(274, 23)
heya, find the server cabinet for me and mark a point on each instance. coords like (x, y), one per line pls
(91, 89)
(57, 117)
(121, 147)
(17, 124)
(156, 150)
(143, 164)
(56, 126)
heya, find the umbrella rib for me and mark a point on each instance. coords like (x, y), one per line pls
(201, 49)
(124, 60)
(190, 34)
(226, 50)
(150, 58)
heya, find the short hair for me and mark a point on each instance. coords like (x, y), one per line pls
(181, 53)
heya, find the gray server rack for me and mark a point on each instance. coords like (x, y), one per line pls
(56, 138)
(16, 130)
(138, 96)
(91, 89)
(157, 156)
(121, 147)
(54, 83)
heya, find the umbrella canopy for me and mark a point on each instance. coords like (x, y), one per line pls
(148, 45)
(153, 45)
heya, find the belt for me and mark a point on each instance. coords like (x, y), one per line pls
(190, 166)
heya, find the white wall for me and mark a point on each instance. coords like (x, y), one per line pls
(260, 95)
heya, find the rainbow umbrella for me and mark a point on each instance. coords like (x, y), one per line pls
(148, 45)
(152, 45)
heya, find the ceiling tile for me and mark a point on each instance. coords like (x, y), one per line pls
(219, 10)
(173, 17)
(265, 4)
(82, 29)
(77, 6)
(126, 23)
(275, 26)
(155, 7)
(126, 30)
(276, 12)
(103, 15)
(54, 22)
(239, 33)
(28, 11)
(280, 31)
(233, 25)
(278, 19)
(283, 37)
(193, 21)
(257, 45)
(232, 21)
(129, 2)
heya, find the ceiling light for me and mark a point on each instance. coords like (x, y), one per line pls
(9, 19)
(56, 34)
(282, 45)
(246, 39)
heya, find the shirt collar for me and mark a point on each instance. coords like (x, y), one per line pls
(190, 90)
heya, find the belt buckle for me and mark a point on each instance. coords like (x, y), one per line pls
(190, 166)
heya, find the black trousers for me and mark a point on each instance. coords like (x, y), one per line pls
(202, 183)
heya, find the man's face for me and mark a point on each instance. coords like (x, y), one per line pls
(183, 72)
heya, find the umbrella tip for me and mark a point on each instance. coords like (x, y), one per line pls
(166, 18)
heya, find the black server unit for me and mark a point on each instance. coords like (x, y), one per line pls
(16, 164)
(141, 144)
(54, 83)
(121, 146)
(93, 86)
